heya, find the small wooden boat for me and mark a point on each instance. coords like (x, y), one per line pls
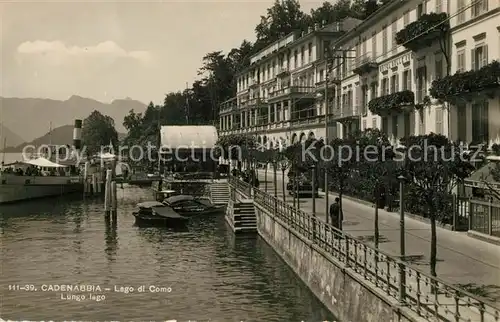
(187, 205)
(153, 213)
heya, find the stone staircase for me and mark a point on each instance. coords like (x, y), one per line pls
(219, 193)
(241, 216)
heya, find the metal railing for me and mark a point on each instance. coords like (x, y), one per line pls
(484, 217)
(292, 90)
(365, 58)
(427, 296)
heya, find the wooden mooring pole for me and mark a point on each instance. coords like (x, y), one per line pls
(107, 194)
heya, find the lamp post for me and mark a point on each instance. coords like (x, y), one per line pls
(313, 174)
(402, 246)
(325, 97)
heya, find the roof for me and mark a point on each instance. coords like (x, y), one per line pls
(175, 199)
(149, 204)
(188, 136)
(482, 175)
(166, 212)
(42, 162)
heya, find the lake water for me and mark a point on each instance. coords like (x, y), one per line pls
(202, 274)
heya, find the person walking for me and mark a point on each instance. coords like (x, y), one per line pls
(336, 213)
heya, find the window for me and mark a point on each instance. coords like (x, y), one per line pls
(310, 52)
(374, 44)
(461, 11)
(364, 125)
(407, 80)
(480, 7)
(439, 6)
(421, 122)
(385, 87)
(395, 83)
(363, 46)
(384, 40)
(407, 125)
(480, 133)
(373, 90)
(421, 83)
(295, 59)
(394, 30)
(479, 57)
(302, 56)
(385, 125)
(439, 120)
(461, 61)
(420, 10)
(438, 67)
(406, 18)
(462, 122)
(365, 99)
(395, 126)
(374, 123)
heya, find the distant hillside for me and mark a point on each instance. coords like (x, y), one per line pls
(31, 117)
(62, 135)
(10, 138)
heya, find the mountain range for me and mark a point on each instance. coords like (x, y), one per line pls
(8, 137)
(29, 118)
(62, 135)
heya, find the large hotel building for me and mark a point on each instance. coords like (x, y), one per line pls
(380, 73)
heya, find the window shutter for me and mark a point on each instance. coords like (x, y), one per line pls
(409, 80)
(397, 83)
(484, 5)
(473, 59)
(485, 56)
(356, 99)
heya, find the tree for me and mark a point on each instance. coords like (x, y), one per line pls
(376, 167)
(339, 159)
(236, 147)
(434, 166)
(342, 9)
(98, 130)
(281, 19)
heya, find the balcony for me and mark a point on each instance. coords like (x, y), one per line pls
(424, 32)
(305, 121)
(300, 92)
(392, 103)
(282, 71)
(228, 106)
(345, 113)
(475, 84)
(256, 101)
(364, 64)
(254, 83)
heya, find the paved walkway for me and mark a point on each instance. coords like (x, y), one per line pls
(463, 261)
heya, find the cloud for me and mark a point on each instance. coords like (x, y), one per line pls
(57, 48)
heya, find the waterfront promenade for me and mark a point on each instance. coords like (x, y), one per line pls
(463, 261)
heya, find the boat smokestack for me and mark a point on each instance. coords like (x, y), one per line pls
(77, 135)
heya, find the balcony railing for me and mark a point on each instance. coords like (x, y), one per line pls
(345, 112)
(365, 64)
(254, 82)
(292, 90)
(422, 33)
(282, 70)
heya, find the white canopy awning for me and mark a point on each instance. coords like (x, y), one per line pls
(188, 136)
(42, 162)
(107, 155)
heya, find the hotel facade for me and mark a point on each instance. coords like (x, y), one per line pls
(380, 74)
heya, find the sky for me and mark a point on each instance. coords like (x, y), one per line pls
(112, 50)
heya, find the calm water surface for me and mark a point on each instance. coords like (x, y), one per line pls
(212, 275)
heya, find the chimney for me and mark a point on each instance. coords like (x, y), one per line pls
(316, 26)
(309, 29)
(77, 135)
